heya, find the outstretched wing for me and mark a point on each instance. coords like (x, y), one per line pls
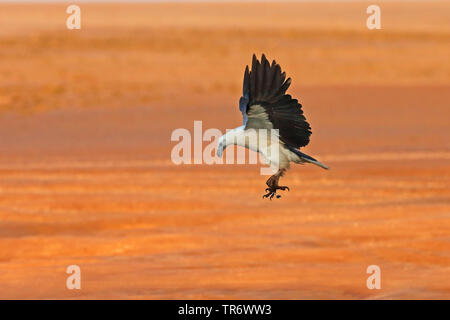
(265, 104)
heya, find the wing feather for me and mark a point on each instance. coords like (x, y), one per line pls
(266, 105)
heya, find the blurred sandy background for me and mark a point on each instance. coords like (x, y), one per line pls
(86, 177)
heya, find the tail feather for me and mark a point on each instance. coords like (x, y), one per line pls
(317, 163)
(307, 158)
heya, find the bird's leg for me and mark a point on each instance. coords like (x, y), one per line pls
(273, 186)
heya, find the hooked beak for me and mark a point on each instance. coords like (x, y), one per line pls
(220, 149)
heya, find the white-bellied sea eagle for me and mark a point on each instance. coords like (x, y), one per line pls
(266, 106)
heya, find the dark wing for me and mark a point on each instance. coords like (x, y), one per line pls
(264, 104)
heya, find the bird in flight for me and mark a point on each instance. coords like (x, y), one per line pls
(266, 108)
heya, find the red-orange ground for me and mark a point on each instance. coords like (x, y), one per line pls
(86, 176)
